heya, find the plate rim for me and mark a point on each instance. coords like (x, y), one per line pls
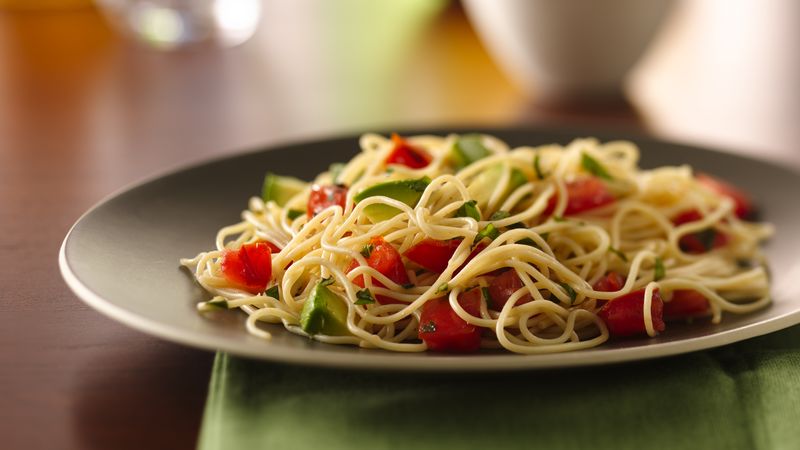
(377, 359)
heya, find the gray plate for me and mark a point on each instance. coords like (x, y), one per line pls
(121, 258)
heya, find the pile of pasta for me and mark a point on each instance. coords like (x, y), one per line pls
(531, 249)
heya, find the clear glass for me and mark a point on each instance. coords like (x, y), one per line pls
(169, 24)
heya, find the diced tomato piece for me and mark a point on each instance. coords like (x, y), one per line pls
(686, 304)
(273, 247)
(406, 154)
(322, 197)
(625, 315)
(583, 194)
(503, 287)
(612, 282)
(432, 254)
(742, 201)
(701, 241)
(444, 331)
(248, 267)
(384, 258)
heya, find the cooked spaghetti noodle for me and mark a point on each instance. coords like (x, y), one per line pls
(558, 252)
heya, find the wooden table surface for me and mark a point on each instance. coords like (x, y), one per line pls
(84, 112)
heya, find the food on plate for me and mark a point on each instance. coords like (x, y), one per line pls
(459, 243)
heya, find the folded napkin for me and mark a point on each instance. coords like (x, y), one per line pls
(742, 396)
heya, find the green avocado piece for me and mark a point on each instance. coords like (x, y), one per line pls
(406, 191)
(482, 186)
(467, 149)
(280, 189)
(324, 312)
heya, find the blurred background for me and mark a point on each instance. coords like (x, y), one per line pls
(95, 95)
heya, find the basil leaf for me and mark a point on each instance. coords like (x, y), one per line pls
(273, 292)
(571, 292)
(537, 168)
(500, 215)
(659, 271)
(488, 231)
(294, 213)
(218, 303)
(367, 250)
(707, 238)
(487, 297)
(618, 253)
(364, 297)
(469, 209)
(595, 168)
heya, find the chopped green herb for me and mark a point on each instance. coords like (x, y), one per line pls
(537, 168)
(367, 250)
(469, 209)
(408, 285)
(488, 231)
(273, 292)
(364, 297)
(443, 288)
(500, 215)
(294, 213)
(487, 297)
(571, 292)
(517, 225)
(618, 253)
(218, 303)
(595, 168)
(428, 327)
(528, 241)
(326, 281)
(336, 170)
(659, 272)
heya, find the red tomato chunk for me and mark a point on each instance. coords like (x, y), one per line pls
(432, 254)
(612, 282)
(686, 304)
(444, 331)
(249, 267)
(583, 194)
(384, 258)
(701, 241)
(624, 315)
(504, 286)
(322, 197)
(406, 154)
(743, 205)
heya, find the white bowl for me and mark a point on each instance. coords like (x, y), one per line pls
(567, 49)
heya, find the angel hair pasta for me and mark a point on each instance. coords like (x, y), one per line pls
(459, 243)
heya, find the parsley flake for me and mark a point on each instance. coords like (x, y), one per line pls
(659, 271)
(367, 250)
(571, 292)
(500, 215)
(595, 168)
(273, 292)
(487, 297)
(428, 327)
(294, 213)
(469, 209)
(488, 231)
(618, 253)
(364, 297)
(326, 281)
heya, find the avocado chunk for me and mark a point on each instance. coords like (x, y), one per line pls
(482, 186)
(406, 191)
(324, 312)
(281, 189)
(468, 149)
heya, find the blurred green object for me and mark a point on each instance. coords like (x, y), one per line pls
(743, 396)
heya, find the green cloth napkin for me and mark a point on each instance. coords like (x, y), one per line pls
(742, 396)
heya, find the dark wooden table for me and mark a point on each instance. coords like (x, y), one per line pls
(83, 112)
